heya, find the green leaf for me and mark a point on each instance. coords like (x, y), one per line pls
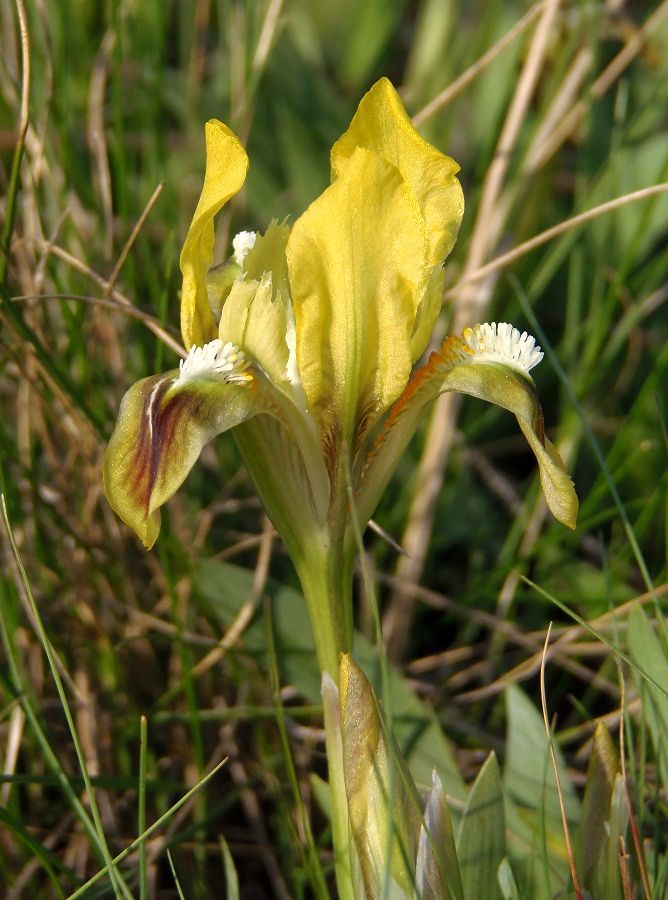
(48, 859)
(645, 649)
(592, 839)
(231, 877)
(532, 804)
(607, 882)
(482, 837)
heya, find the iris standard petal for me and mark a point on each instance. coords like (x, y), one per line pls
(355, 264)
(382, 126)
(258, 316)
(226, 167)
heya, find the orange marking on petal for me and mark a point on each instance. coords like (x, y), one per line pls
(448, 355)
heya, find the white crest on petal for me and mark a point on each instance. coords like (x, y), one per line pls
(215, 361)
(242, 243)
(492, 342)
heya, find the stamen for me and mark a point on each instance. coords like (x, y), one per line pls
(215, 361)
(492, 342)
(242, 243)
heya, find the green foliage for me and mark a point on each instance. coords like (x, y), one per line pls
(118, 97)
(482, 834)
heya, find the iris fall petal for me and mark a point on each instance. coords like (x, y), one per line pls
(458, 367)
(161, 429)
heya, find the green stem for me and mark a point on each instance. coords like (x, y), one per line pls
(326, 579)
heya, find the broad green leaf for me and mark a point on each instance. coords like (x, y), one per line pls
(532, 802)
(481, 845)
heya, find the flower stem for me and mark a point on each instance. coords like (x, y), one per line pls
(326, 579)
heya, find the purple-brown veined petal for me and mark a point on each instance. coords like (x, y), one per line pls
(226, 167)
(355, 262)
(162, 426)
(490, 362)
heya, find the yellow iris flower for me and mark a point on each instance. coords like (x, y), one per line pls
(305, 341)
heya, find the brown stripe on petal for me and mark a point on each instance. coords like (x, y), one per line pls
(447, 356)
(538, 423)
(330, 441)
(157, 433)
(144, 462)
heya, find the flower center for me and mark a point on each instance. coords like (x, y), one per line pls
(492, 342)
(215, 361)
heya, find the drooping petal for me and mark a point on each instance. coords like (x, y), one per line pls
(490, 362)
(381, 125)
(226, 167)
(355, 262)
(163, 423)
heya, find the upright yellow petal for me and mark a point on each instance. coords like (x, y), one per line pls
(355, 262)
(257, 313)
(256, 322)
(382, 125)
(226, 167)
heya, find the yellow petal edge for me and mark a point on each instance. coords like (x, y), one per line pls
(226, 168)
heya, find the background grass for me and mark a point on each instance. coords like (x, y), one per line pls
(567, 114)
